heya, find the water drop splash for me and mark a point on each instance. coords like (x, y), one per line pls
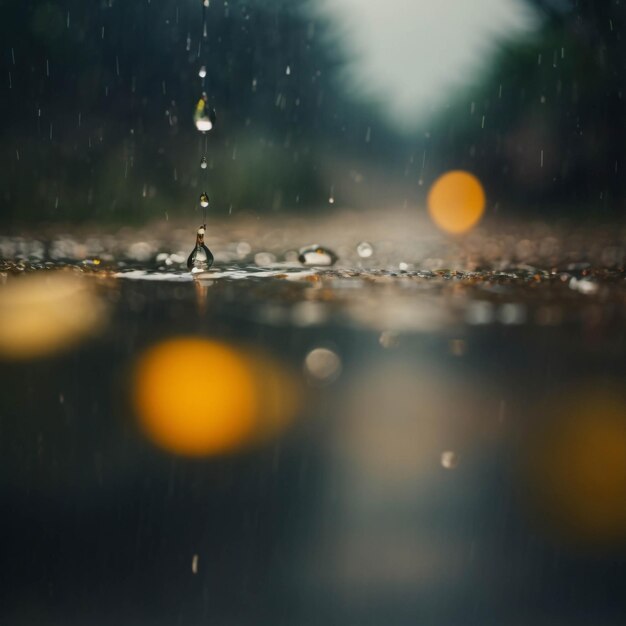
(201, 258)
(317, 256)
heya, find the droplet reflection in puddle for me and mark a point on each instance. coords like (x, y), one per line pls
(41, 314)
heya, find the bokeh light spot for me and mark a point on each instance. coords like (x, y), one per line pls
(41, 314)
(456, 202)
(578, 465)
(198, 397)
(322, 365)
(195, 396)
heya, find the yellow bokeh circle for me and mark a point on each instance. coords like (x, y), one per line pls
(199, 397)
(195, 397)
(577, 465)
(456, 202)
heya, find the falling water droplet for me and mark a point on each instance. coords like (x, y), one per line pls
(205, 3)
(288, 70)
(204, 200)
(203, 124)
(203, 163)
(449, 459)
(202, 72)
(317, 255)
(365, 250)
(204, 121)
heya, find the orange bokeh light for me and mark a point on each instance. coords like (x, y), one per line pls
(198, 397)
(578, 465)
(456, 202)
(195, 396)
(47, 312)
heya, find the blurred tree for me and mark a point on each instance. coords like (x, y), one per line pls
(546, 129)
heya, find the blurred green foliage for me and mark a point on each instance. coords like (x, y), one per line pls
(99, 100)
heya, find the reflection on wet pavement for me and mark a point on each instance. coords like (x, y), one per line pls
(430, 430)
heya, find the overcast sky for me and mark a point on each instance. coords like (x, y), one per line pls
(413, 53)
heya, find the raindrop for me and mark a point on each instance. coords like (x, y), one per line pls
(449, 459)
(317, 255)
(203, 124)
(288, 70)
(204, 120)
(203, 163)
(365, 249)
(201, 257)
(202, 72)
(205, 3)
(204, 200)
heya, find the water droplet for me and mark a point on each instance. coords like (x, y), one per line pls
(449, 459)
(194, 560)
(322, 365)
(204, 120)
(288, 70)
(365, 250)
(317, 255)
(203, 124)
(202, 72)
(203, 163)
(205, 3)
(204, 200)
(583, 285)
(201, 257)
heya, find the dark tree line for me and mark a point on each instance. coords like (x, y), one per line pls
(97, 105)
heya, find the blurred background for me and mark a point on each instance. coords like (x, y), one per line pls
(397, 397)
(363, 101)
